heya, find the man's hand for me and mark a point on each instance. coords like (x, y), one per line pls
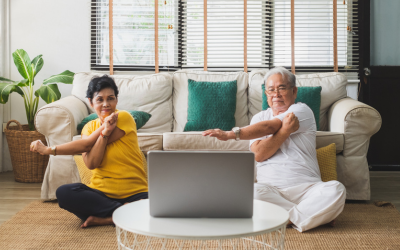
(290, 123)
(220, 134)
(39, 147)
(110, 122)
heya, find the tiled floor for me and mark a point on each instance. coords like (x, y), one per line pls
(15, 196)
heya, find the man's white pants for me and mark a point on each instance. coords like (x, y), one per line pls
(310, 204)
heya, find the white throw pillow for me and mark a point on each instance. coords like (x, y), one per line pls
(148, 93)
(180, 94)
(333, 89)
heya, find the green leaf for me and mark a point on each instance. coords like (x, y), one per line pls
(2, 79)
(64, 77)
(23, 63)
(23, 83)
(6, 89)
(37, 64)
(49, 93)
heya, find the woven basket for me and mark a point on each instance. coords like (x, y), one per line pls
(27, 166)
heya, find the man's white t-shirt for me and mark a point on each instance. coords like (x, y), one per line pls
(295, 162)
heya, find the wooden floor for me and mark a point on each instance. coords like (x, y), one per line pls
(15, 196)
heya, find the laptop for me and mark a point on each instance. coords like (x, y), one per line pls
(201, 184)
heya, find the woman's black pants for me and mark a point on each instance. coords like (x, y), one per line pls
(84, 201)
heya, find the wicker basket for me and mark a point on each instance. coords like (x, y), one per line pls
(27, 166)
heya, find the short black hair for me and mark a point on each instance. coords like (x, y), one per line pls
(101, 82)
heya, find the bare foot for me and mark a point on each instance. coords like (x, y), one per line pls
(97, 221)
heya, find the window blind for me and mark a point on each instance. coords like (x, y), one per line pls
(133, 34)
(313, 20)
(181, 35)
(225, 34)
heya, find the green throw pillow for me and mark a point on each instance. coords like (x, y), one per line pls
(308, 95)
(211, 105)
(141, 118)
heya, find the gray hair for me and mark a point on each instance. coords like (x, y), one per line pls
(286, 75)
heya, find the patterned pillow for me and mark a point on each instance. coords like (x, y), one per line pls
(327, 162)
(308, 95)
(211, 105)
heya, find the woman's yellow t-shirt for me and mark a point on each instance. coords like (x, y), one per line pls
(120, 173)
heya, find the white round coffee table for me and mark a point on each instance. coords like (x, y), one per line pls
(136, 229)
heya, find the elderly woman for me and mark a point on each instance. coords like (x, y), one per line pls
(110, 148)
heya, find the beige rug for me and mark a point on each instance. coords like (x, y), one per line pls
(46, 226)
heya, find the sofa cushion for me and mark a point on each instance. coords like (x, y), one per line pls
(211, 105)
(196, 141)
(140, 117)
(148, 93)
(147, 141)
(326, 157)
(180, 94)
(333, 89)
(308, 95)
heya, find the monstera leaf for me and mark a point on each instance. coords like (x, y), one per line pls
(23, 63)
(6, 88)
(49, 93)
(37, 65)
(64, 77)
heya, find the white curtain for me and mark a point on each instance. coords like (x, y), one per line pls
(5, 162)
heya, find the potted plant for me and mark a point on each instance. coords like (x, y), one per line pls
(27, 166)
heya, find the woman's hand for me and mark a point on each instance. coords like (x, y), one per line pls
(39, 147)
(110, 122)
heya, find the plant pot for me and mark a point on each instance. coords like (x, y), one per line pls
(27, 166)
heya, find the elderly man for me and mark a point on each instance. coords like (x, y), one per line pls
(283, 139)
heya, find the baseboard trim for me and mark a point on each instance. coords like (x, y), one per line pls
(384, 168)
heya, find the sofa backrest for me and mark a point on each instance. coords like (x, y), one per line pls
(180, 94)
(148, 93)
(333, 89)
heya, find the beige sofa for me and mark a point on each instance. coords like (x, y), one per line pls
(343, 121)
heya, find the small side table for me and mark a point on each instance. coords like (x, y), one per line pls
(136, 229)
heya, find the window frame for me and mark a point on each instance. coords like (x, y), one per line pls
(268, 48)
(116, 67)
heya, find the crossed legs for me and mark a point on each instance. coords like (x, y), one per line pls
(309, 205)
(91, 205)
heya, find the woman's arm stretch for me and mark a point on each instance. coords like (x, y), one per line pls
(94, 156)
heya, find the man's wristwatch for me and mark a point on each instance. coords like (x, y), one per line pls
(236, 130)
(53, 150)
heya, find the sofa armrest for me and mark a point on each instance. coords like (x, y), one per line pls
(58, 121)
(358, 122)
(349, 116)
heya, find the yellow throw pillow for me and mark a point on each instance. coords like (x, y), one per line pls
(327, 162)
(86, 174)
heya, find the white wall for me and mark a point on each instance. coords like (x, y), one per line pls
(58, 29)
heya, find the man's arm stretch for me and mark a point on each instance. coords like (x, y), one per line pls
(253, 131)
(267, 147)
